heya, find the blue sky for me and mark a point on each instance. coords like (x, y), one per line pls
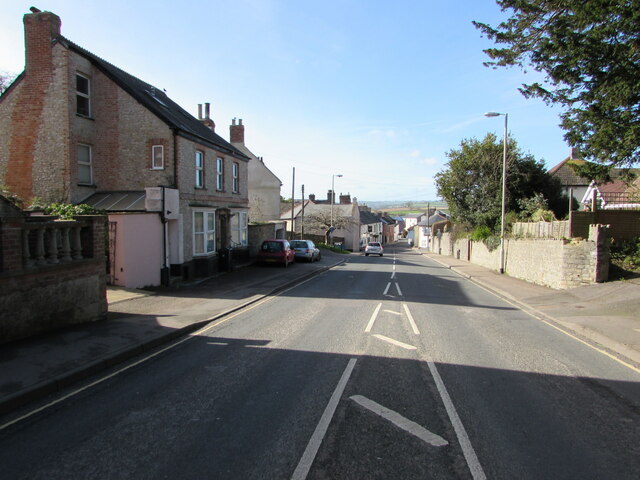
(374, 90)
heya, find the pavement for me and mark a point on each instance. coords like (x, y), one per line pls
(607, 316)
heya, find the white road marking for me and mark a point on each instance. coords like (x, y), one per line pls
(373, 318)
(467, 449)
(398, 288)
(406, 346)
(386, 289)
(398, 420)
(302, 470)
(411, 321)
(392, 312)
(393, 275)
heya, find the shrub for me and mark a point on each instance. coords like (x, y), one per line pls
(67, 211)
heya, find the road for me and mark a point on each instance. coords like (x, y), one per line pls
(381, 368)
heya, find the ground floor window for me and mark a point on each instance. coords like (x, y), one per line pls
(239, 234)
(204, 232)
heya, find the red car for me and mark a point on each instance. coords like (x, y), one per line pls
(276, 251)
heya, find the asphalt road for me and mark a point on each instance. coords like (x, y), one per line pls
(384, 367)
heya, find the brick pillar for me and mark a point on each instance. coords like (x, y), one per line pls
(599, 235)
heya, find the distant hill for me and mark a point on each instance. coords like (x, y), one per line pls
(404, 205)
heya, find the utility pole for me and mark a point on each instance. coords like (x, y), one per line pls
(302, 216)
(293, 204)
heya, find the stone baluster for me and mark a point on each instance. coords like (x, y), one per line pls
(26, 252)
(53, 246)
(76, 251)
(40, 260)
(65, 250)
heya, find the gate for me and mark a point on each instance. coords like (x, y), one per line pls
(111, 272)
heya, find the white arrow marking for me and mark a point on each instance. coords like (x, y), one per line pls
(399, 421)
(392, 312)
(373, 318)
(386, 289)
(395, 342)
(413, 324)
(398, 288)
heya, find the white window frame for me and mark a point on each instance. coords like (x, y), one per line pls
(240, 230)
(236, 177)
(157, 165)
(86, 95)
(206, 233)
(219, 173)
(85, 164)
(199, 169)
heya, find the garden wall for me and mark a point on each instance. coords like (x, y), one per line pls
(557, 264)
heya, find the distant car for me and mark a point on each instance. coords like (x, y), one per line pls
(373, 248)
(276, 251)
(305, 250)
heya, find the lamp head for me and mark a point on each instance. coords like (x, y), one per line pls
(493, 114)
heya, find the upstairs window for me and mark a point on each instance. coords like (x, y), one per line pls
(199, 169)
(157, 157)
(85, 170)
(236, 179)
(219, 173)
(83, 92)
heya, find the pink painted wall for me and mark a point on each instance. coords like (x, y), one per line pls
(138, 256)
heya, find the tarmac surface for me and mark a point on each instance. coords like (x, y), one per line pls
(605, 316)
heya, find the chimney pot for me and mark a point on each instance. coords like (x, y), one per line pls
(206, 110)
(199, 111)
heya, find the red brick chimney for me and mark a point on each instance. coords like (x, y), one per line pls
(345, 199)
(40, 31)
(236, 132)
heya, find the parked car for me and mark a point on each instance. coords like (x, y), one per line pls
(276, 251)
(373, 248)
(306, 250)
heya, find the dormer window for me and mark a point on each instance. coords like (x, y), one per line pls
(83, 92)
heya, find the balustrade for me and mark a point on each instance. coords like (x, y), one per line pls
(51, 242)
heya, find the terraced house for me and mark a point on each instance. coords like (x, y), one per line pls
(75, 128)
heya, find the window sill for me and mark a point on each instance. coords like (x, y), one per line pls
(88, 185)
(87, 117)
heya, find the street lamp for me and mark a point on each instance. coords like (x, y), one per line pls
(333, 194)
(504, 183)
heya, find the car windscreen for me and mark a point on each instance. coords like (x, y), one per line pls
(272, 247)
(298, 244)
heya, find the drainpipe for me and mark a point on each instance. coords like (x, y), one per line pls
(164, 272)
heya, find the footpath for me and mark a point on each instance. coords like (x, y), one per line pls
(605, 315)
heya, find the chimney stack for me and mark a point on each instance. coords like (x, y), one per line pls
(345, 199)
(40, 29)
(236, 132)
(331, 196)
(312, 197)
(206, 121)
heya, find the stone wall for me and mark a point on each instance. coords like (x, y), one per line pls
(553, 263)
(41, 294)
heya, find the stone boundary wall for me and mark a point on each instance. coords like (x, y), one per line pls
(558, 264)
(39, 298)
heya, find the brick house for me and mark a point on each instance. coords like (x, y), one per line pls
(75, 128)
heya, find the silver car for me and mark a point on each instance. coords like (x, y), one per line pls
(373, 248)
(305, 250)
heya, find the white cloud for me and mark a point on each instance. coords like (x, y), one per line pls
(415, 154)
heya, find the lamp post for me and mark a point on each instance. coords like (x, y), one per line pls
(504, 183)
(333, 194)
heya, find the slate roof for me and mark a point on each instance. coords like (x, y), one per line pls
(157, 101)
(566, 175)
(367, 218)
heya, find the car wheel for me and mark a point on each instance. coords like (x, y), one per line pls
(380, 254)
(366, 254)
